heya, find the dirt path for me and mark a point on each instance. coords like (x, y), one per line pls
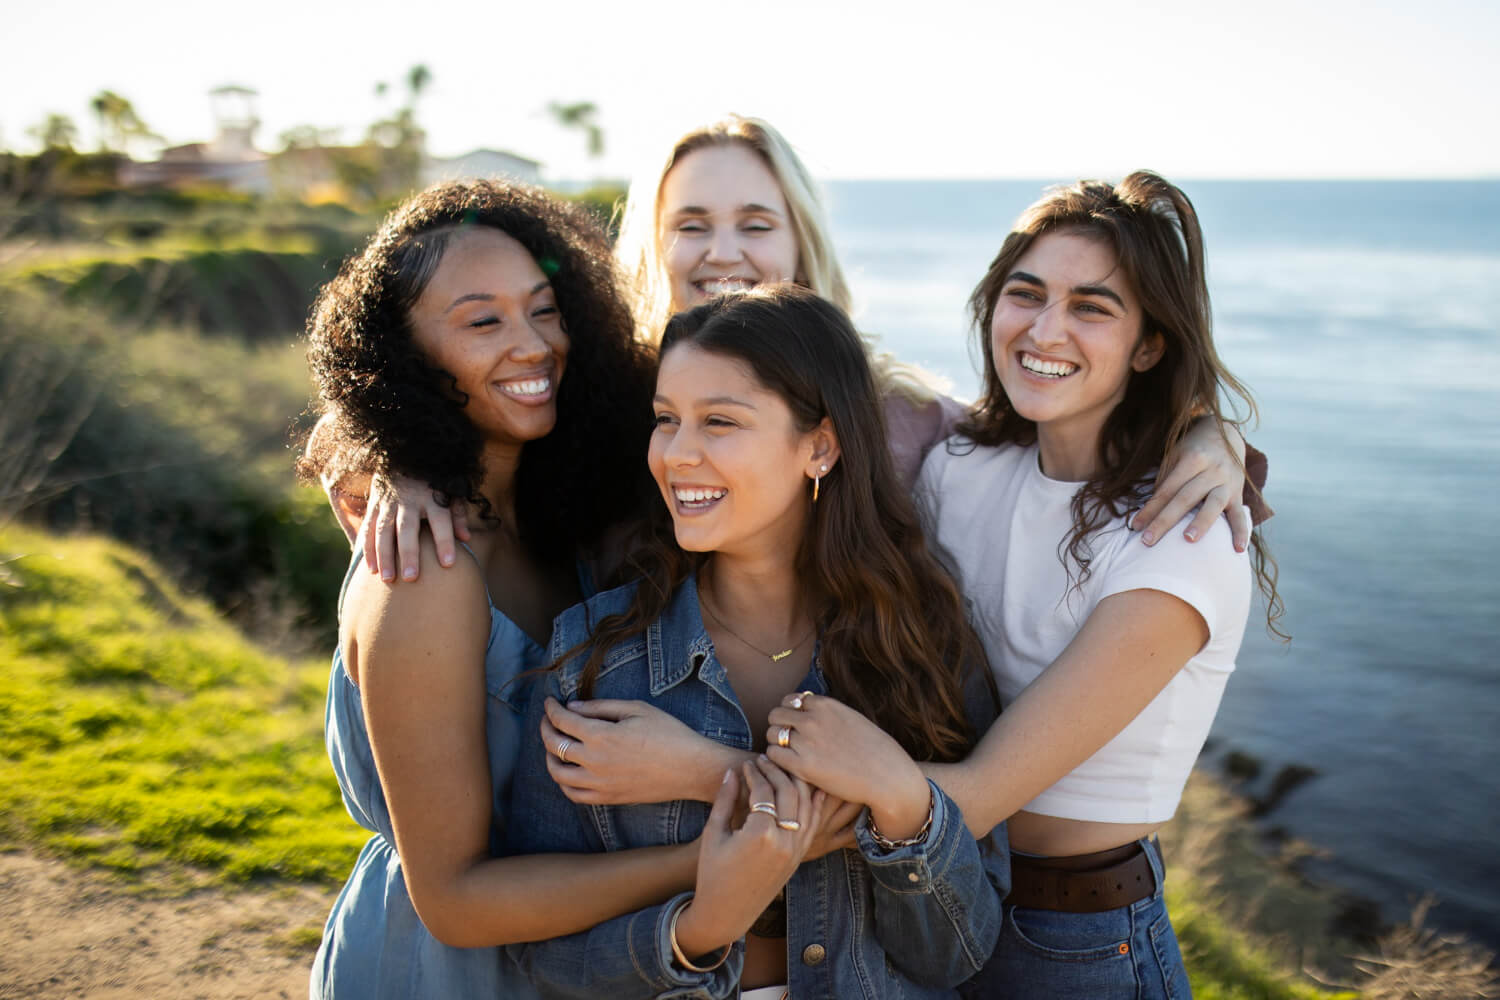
(66, 933)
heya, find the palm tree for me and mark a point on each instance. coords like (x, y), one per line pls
(582, 116)
(55, 132)
(119, 123)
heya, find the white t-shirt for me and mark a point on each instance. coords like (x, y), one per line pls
(1005, 525)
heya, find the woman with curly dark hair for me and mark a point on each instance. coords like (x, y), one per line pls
(477, 343)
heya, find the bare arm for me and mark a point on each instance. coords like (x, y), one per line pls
(416, 651)
(1128, 650)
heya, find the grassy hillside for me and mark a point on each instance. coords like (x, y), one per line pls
(140, 733)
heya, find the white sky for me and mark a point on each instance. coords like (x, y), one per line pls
(932, 88)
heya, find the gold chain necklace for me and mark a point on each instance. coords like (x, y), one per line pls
(773, 657)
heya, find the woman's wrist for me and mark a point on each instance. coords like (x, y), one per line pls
(692, 939)
(903, 817)
(710, 767)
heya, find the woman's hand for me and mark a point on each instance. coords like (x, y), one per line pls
(1204, 470)
(741, 869)
(393, 523)
(629, 752)
(835, 826)
(830, 745)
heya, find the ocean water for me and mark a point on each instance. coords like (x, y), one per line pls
(1365, 317)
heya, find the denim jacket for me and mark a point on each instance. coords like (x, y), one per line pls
(866, 923)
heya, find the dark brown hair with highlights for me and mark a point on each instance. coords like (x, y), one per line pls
(1153, 230)
(407, 416)
(896, 643)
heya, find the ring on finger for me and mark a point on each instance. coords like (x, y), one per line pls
(788, 824)
(784, 737)
(769, 808)
(562, 750)
(800, 698)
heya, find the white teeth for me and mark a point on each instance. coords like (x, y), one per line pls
(719, 286)
(1054, 368)
(698, 495)
(529, 387)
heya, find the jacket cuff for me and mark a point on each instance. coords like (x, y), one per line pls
(651, 953)
(912, 869)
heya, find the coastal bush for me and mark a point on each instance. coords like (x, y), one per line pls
(174, 442)
(139, 732)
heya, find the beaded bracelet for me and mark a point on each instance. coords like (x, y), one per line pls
(682, 959)
(916, 838)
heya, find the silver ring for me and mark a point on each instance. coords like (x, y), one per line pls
(769, 808)
(562, 750)
(784, 738)
(789, 824)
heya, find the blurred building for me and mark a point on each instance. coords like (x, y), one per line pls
(311, 172)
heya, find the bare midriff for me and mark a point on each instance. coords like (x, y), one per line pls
(765, 962)
(1052, 836)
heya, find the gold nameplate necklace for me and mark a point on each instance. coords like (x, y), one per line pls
(773, 657)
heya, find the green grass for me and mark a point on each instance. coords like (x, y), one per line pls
(1223, 963)
(139, 733)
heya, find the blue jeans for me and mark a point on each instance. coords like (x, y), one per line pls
(1126, 954)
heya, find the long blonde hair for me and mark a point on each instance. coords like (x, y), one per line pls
(643, 267)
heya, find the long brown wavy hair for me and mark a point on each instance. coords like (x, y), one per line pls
(896, 643)
(1153, 230)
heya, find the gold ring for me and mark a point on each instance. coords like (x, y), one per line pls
(769, 808)
(784, 738)
(789, 824)
(562, 750)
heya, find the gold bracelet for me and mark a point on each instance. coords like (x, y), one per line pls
(682, 959)
(917, 838)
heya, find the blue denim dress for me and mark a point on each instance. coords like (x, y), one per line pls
(374, 945)
(861, 924)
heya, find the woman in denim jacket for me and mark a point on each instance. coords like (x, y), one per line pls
(798, 564)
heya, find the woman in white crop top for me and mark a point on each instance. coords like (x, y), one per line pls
(1110, 656)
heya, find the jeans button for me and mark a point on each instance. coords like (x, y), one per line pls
(813, 954)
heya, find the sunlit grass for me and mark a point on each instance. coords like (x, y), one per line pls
(138, 732)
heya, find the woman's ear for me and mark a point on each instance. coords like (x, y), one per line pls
(1148, 352)
(825, 449)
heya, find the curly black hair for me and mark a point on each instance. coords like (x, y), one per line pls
(408, 415)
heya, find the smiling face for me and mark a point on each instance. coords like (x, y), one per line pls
(489, 318)
(1066, 335)
(728, 458)
(724, 225)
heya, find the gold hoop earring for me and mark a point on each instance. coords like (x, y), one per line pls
(817, 479)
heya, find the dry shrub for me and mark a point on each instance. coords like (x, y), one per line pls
(1414, 962)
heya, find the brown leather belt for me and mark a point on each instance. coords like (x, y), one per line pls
(1082, 883)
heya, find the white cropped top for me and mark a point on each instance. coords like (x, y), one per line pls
(1004, 524)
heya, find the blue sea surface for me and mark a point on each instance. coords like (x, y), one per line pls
(1365, 317)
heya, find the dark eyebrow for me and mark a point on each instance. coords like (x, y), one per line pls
(1102, 291)
(487, 297)
(711, 401)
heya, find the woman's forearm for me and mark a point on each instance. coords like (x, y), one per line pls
(1132, 645)
(533, 897)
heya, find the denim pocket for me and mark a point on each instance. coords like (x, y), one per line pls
(1067, 956)
(1174, 978)
(1072, 937)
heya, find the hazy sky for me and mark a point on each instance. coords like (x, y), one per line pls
(932, 88)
